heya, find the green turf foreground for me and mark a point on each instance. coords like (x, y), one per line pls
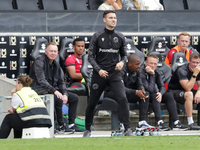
(190, 142)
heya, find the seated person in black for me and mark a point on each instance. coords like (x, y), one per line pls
(151, 76)
(134, 89)
(48, 79)
(181, 85)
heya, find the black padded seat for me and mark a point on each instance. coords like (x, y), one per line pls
(178, 60)
(94, 4)
(158, 45)
(53, 5)
(132, 49)
(65, 50)
(173, 4)
(6, 5)
(27, 4)
(193, 4)
(76, 5)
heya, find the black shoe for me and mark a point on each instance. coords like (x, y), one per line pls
(65, 130)
(193, 126)
(86, 133)
(76, 129)
(180, 126)
(163, 127)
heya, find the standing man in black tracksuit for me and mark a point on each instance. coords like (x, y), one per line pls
(105, 48)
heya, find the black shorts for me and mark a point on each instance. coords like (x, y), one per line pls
(179, 95)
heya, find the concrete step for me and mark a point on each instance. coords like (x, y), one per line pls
(104, 122)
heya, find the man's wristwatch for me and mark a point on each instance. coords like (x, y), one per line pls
(194, 76)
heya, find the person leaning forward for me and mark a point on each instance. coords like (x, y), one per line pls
(48, 79)
(134, 89)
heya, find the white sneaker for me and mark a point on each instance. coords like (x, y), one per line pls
(103, 113)
(144, 126)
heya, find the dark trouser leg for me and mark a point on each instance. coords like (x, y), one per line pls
(143, 105)
(168, 98)
(132, 98)
(97, 86)
(73, 102)
(156, 106)
(58, 108)
(117, 87)
(12, 121)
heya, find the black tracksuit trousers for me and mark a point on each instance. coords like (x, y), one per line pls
(98, 85)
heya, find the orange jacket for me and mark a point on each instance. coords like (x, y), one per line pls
(168, 59)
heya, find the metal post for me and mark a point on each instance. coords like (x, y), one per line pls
(114, 121)
(49, 102)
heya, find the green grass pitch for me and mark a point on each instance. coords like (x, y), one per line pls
(189, 142)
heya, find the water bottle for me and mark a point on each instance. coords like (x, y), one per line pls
(154, 132)
(146, 132)
(134, 132)
(138, 133)
(159, 132)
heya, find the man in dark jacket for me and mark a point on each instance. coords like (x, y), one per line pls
(105, 48)
(48, 79)
(134, 89)
(153, 83)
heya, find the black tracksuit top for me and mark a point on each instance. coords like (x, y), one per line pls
(105, 48)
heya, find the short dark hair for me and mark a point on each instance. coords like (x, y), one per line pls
(133, 58)
(194, 55)
(107, 12)
(77, 39)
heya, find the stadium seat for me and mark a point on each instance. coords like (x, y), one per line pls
(94, 4)
(39, 48)
(132, 49)
(178, 60)
(72, 86)
(173, 4)
(53, 4)
(26, 4)
(193, 4)
(65, 50)
(76, 5)
(193, 49)
(104, 103)
(158, 45)
(6, 5)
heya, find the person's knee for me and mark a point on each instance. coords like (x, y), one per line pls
(188, 96)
